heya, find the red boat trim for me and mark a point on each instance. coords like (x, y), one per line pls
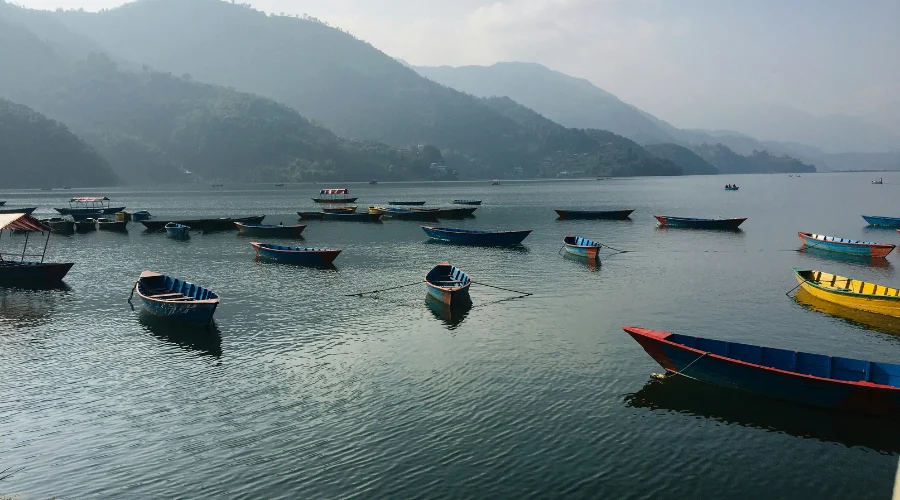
(661, 337)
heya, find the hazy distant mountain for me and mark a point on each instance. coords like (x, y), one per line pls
(573, 102)
(153, 126)
(690, 161)
(759, 162)
(326, 74)
(39, 152)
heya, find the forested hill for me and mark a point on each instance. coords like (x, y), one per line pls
(690, 161)
(155, 126)
(326, 74)
(36, 151)
(758, 162)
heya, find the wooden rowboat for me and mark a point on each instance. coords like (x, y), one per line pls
(404, 214)
(448, 284)
(476, 236)
(845, 245)
(856, 294)
(450, 213)
(877, 220)
(270, 230)
(407, 203)
(594, 214)
(582, 247)
(349, 209)
(295, 255)
(118, 226)
(697, 223)
(354, 217)
(832, 382)
(466, 202)
(175, 299)
(178, 231)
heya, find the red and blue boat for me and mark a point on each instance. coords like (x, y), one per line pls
(335, 196)
(878, 220)
(594, 214)
(175, 299)
(295, 255)
(448, 285)
(582, 247)
(481, 237)
(15, 270)
(832, 382)
(846, 245)
(698, 223)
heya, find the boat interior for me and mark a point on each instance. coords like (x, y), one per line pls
(842, 284)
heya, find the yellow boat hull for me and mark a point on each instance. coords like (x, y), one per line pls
(851, 293)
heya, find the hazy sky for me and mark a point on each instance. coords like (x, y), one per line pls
(687, 61)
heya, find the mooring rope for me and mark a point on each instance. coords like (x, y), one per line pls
(524, 294)
(360, 294)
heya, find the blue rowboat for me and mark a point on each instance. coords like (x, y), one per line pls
(295, 255)
(814, 379)
(845, 245)
(735, 188)
(594, 214)
(178, 231)
(175, 299)
(877, 220)
(582, 247)
(140, 215)
(476, 236)
(270, 230)
(467, 202)
(448, 285)
(697, 223)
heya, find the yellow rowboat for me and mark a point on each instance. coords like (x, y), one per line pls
(855, 294)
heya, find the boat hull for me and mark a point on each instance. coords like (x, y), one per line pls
(33, 274)
(407, 203)
(208, 225)
(454, 213)
(887, 305)
(732, 189)
(489, 238)
(85, 226)
(865, 249)
(193, 304)
(334, 200)
(875, 220)
(178, 233)
(404, 214)
(689, 223)
(74, 211)
(304, 257)
(269, 231)
(581, 247)
(355, 217)
(467, 202)
(114, 226)
(20, 210)
(594, 214)
(780, 384)
(448, 285)
(62, 226)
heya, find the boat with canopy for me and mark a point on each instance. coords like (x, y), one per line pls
(15, 270)
(89, 204)
(334, 196)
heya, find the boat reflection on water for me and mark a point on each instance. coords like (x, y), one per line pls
(202, 340)
(453, 315)
(864, 319)
(690, 397)
(323, 267)
(861, 260)
(31, 306)
(593, 265)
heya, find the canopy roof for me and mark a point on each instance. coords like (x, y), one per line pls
(88, 199)
(22, 221)
(335, 191)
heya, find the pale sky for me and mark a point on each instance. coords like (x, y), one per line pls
(686, 61)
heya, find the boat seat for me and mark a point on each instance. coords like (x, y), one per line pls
(166, 295)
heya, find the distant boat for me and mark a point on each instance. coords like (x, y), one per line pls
(334, 196)
(846, 245)
(732, 188)
(416, 203)
(140, 215)
(495, 182)
(86, 225)
(448, 284)
(404, 213)
(476, 237)
(17, 210)
(879, 181)
(270, 230)
(2, 203)
(24, 273)
(594, 214)
(175, 299)
(206, 225)
(89, 205)
(295, 255)
(46, 189)
(319, 215)
(467, 202)
(373, 181)
(217, 185)
(177, 231)
(856, 294)
(60, 225)
(340, 210)
(582, 247)
(695, 223)
(119, 226)
(877, 220)
(280, 184)
(451, 213)
(813, 379)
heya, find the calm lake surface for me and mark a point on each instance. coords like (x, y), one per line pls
(303, 392)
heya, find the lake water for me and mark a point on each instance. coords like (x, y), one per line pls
(303, 392)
